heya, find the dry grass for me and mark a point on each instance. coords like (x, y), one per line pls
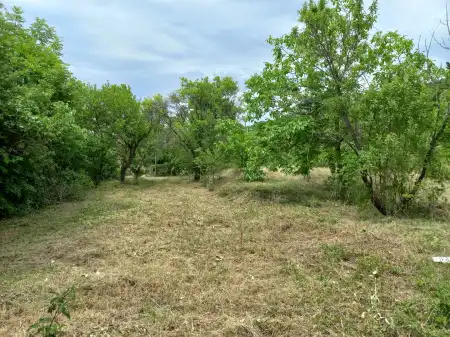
(170, 258)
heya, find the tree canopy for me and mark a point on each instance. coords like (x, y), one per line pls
(366, 102)
(369, 105)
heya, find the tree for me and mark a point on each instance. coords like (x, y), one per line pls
(320, 91)
(119, 123)
(143, 159)
(239, 146)
(193, 111)
(93, 115)
(130, 124)
(39, 163)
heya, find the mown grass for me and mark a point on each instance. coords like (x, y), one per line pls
(280, 258)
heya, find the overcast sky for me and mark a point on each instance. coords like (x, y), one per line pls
(149, 44)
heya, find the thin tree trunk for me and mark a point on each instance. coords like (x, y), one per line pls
(338, 171)
(197, 173)
(376, 200)
(427, 160)
(125, 165)
(123, 172)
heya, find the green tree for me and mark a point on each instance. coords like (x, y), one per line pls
(240, 146)
(193, 111)
(96, 118)
(319, 94)
(131, 126)
(143, 159)
(119, 124)
(38, 163)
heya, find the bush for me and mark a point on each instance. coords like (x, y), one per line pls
(252, 173)
(67, 185)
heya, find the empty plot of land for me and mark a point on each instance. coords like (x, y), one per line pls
(279, 258)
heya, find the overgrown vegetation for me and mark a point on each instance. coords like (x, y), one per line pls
(371, 106)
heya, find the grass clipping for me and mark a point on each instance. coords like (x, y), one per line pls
(279, 258)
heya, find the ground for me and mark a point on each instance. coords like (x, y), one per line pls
(172, 258)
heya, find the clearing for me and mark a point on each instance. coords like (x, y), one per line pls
(172, 258)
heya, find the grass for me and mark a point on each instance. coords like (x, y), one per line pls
(279, 258)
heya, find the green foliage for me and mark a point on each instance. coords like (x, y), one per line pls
(193, 112)
(130, 125)
(41, 146)
(253, 173)
(238, 145)
(120, 125)
(441, 313)
(371, 105)
(210, 163)
(102, 161)
(144, 158)
(49, 326)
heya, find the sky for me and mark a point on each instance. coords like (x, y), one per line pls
(150, 44)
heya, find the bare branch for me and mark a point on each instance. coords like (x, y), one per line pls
(445, 23)
(428, 43)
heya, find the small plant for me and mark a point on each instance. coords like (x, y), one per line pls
(49, 326)
(441, 312)
(335, 252)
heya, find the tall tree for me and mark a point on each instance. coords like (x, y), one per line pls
(132, 123)
(93, 114)
(316, 92)
(36, 102)
(193, 111)
(120, 125)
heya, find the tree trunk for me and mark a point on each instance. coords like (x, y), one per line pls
(379, 204)
(126, 164)
(123, 173)
(376, 200)
(197, 173)
(338, 171)
(427, 161)
(197, 170)
(137, 173)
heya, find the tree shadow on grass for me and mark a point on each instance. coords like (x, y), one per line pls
(145, 182)
(439, 212)
(287, 191)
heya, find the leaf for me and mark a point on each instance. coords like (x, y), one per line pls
(45, 319)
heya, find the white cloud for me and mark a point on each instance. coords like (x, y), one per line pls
(152, 42)
(411, 17)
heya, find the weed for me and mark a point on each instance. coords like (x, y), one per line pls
(49, 326)
(335, 252)
(440, 314)
(370, 263)
(292, 269)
